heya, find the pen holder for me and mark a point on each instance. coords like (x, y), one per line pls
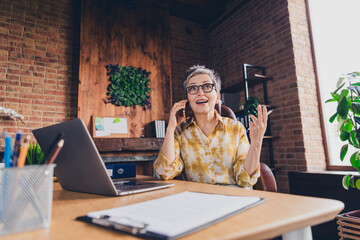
(26, 198)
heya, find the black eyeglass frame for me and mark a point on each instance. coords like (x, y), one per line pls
(202, 88)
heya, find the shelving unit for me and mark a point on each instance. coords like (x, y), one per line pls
(128, 144)
(251, 81)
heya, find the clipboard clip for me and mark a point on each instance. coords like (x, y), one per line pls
(128, 225)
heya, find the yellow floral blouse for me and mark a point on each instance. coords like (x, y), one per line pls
(217, 158)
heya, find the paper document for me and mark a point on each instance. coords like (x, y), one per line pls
(177, 215)
(116, 125)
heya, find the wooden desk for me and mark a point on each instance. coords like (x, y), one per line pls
(281, 213)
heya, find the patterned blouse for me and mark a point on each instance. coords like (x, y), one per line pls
(216, 159)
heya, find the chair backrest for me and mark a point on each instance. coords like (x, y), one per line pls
(225, 111)
(267, 179)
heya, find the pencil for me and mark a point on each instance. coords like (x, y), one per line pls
(59, 145)
(7, 151)
(23, 152)
(16, 149)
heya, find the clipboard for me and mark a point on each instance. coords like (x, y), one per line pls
(109, 127)
(136, 219)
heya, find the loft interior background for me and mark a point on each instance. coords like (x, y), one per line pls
(40, 58)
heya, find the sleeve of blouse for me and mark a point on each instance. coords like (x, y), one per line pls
(243, 179)
(165, 169)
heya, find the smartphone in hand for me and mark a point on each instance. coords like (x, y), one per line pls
(185, 113)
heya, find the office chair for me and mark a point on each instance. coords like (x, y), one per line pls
(267, 179)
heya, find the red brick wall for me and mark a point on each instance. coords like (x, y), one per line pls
(189, 46)
(39, 45)
(275, 35)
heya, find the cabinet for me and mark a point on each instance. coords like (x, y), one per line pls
(253, 75)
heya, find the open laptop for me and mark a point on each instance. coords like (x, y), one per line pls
(79, 166)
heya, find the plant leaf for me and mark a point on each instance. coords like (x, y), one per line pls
(357, 106)
(330, 100)
(354, 139)
(344, 136)
(346, 182)
(357, 119)
(355, 160)
(336, 96)
(351, 182)
(357, 184)
(355, 89)
(340, 82)
(348, 126)
(344, 92)
(332, 118)
(343, 151)
(343, 107)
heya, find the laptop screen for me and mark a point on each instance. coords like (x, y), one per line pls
(79, 166)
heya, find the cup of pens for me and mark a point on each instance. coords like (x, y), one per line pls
(26, 198)
(25, 191)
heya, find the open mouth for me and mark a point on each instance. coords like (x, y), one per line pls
(201, 101)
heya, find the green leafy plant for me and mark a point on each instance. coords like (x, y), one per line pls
(251, 106)
(347, 97)
(34, 155)
(129, 86)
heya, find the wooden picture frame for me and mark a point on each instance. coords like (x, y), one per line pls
(108, 127)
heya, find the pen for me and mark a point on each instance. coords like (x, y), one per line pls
(16, 150)
(23, 152)
(59, 145)
(7, 150)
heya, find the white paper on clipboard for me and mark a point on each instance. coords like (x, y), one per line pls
(112, 126)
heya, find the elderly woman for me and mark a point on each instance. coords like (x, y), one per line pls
(208, 147)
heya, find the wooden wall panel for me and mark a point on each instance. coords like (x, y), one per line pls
(133, 34)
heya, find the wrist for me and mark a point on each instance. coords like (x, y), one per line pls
(256, 144)
(170, 129)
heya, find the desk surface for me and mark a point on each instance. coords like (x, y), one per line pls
(281, 213)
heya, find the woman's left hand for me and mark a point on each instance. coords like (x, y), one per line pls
(258, 125)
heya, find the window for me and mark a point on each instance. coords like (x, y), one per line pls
(336, 37)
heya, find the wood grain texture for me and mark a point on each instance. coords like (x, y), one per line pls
(133, 34)
(281, 213)
(128, 144)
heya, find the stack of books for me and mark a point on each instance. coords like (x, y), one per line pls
(158, 128)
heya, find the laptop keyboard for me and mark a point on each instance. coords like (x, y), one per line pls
(131, 186)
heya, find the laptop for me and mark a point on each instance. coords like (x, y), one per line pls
(79, 166)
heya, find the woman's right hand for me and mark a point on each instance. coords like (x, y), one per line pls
(176, 119)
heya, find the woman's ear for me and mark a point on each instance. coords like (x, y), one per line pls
(217, 97)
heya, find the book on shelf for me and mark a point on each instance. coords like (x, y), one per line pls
(158, 128)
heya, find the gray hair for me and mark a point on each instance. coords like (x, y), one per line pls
(197, 70)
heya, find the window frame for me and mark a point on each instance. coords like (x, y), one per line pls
(329, 166)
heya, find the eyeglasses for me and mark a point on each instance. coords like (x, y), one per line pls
(194, 89)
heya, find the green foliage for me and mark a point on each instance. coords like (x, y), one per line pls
(347, 115)
(251, 106)
(34, 155)
(129, 86)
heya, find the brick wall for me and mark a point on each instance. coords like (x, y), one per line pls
(307, 87)
(275, 35)
(39, 46)
(189, 46)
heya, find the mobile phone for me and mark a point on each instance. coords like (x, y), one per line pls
(187, 112)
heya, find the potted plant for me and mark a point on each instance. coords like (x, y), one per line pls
(347, 115)
(34, 155)
(251, 106)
